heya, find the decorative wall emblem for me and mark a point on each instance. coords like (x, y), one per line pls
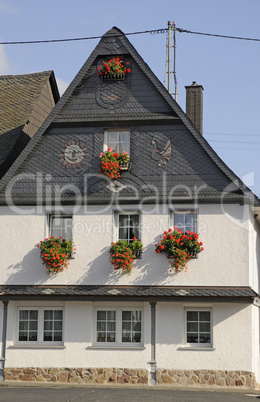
(73, 155)
(115, 187)
(161, 156)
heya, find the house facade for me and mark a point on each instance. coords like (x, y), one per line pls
(92, 323)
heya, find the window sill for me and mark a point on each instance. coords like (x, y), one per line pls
(208, 348)
(119, 347)
(36, 347)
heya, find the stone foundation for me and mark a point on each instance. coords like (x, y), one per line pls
(132, 376)
(78, 375)
(206, 377)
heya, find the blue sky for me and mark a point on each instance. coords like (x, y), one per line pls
(228, 69)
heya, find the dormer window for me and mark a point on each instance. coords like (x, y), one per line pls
(119, 140)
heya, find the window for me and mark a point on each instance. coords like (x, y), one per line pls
(118, 140)
(40, 325)
(61, 225)
(128, 226)
(198, 327)
(118, 326)
(184, 220)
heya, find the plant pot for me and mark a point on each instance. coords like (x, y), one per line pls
(138, 253)
(194, 254)
(110, 77)
(124, 165)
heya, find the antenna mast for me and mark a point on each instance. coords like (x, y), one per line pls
(171, 28)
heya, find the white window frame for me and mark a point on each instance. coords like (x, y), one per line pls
(106, 146)
(60, 215)
(184, 212)
(118, 338)
(40, 330)
(116, 223)
(198, 345)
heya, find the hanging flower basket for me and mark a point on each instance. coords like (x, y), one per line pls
(179, 247)
(123, 254)
(111, 162)
(114, 69)
(55, 253)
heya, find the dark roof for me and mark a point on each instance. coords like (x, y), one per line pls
(17, 97)
(140, 103)
(145, 293)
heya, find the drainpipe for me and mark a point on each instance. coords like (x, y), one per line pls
(153, 343)
(2, 358)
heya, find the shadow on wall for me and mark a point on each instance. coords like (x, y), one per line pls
(151, 269)
(29, 270)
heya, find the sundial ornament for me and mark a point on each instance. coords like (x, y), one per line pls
(73, 154)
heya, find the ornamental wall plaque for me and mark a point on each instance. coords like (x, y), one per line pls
(74, 154)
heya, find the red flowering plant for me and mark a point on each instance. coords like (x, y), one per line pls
(110, 162)
(55, 253)
(180, 247)
(114, 68)
(122, 254)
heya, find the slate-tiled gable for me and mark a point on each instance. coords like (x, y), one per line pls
(25, 102)
(141, 104)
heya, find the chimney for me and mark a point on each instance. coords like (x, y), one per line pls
(194, 105)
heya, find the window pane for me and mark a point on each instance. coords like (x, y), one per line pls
(192, 315)
(205, 338)
(137, 326)
(111, 326)
(126, 337)
(136, 337)
(192, 338)
(111, 315)
(204, 327)
(48, 314)
(126, 326)
(123, 220)
(24, 314)
(23, 325)
(111, 337)
(123, 136)
(192, 326)
(126, 315)
(190, 222)
(204, 315)
(179, 221)
(101, 326)
(101, 337)
(58, 336)
(33, 325)
(101, 315)
(123, 234)
(33, 336)
(33, 315)
(58, 314)
(48, 336)
(22, 336)
(57, 325)
(112, 136)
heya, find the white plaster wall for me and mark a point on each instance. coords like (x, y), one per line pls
(224, 230)
(232, 340)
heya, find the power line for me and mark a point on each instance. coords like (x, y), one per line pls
(154, 31)
(232, 134)
(217, 35)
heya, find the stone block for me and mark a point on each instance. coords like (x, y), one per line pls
(40, 378)
(27, 377)
(76, 380)
(53, 370)
(100, 379)
(238, 383)
(168, 379)
(16, 371)
(143, 380)
(10, 377)
(29, 370)
(62, 376)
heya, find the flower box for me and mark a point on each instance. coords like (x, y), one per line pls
(110, 77)
(123, 165)
(138, 254)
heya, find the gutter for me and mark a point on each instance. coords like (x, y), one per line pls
(2, 358)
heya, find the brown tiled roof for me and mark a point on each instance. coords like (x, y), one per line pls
(18, 94)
